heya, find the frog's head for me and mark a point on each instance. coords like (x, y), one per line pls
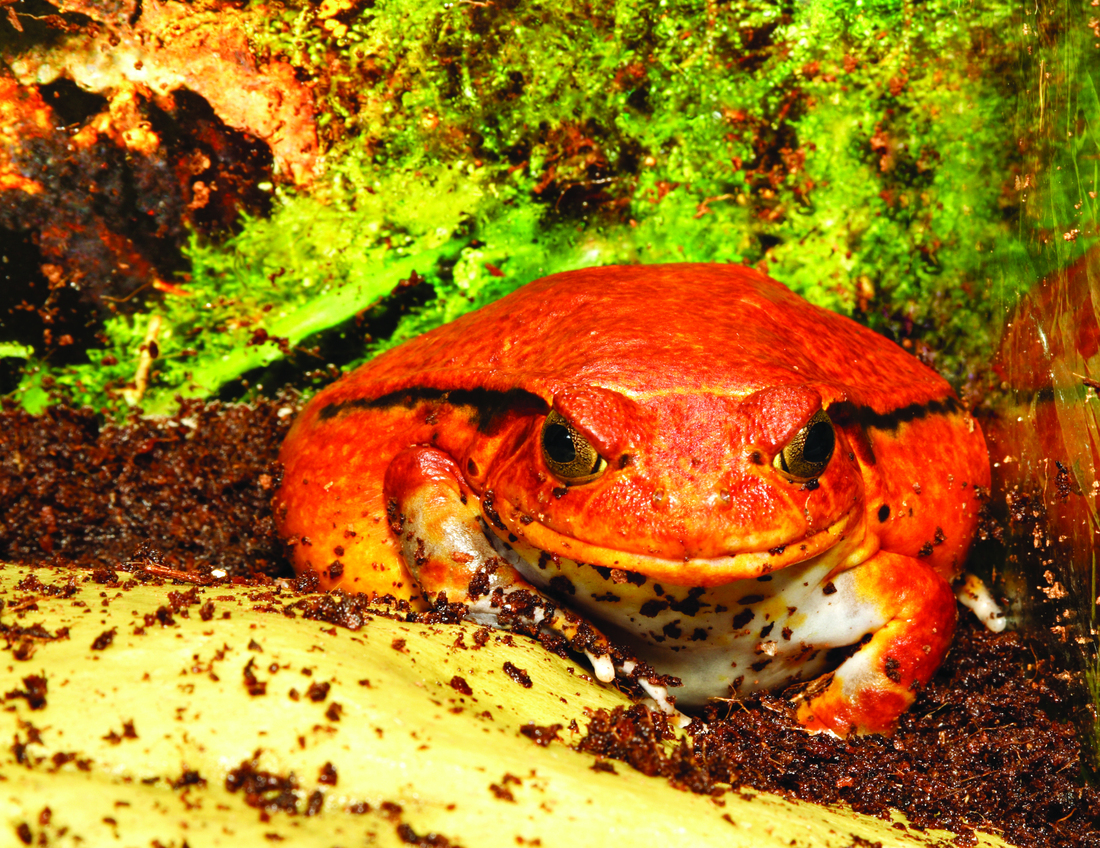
(688, 487)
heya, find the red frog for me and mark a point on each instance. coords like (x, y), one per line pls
(747, 490)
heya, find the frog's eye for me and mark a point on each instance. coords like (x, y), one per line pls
(569, 455)
(807, 454)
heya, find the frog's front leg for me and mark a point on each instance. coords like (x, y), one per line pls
(875, 685)
(437, 521)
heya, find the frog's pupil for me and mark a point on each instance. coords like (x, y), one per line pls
(819, 443)
(558, 443)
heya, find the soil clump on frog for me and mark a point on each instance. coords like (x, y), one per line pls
(981, 748)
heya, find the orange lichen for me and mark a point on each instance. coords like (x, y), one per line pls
(23, 113)
(123, 123)
(173, 46)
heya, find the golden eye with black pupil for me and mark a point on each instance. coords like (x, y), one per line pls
(568, 454)
(807, 454)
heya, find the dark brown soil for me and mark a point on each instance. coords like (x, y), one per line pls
(982, 748)
(192, 492)
(978, 750)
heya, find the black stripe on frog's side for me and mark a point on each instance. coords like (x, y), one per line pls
(488, 404)
(849, 416)
(846, 413)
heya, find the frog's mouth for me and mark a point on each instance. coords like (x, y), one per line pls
(846, 535)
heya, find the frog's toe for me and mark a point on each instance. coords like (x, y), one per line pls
(976, 597)
(602, 666)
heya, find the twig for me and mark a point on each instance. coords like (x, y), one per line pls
(175, 574)
(145, 362)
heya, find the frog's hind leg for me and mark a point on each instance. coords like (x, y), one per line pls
(436, 519)
(876, 684)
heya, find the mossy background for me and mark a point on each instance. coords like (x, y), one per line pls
(889, 160)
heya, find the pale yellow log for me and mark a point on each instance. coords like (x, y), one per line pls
(409, 738)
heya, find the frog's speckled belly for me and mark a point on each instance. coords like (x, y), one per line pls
(744, 636)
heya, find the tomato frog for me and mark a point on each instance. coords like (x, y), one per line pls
(748, 491)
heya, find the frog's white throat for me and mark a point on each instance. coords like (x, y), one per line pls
(757, 633)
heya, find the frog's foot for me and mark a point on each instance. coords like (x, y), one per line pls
(976, 597)
(658, 696)
(876, 684)
(600, 652)
(436, 519)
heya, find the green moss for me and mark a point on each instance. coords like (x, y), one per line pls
(859, 153)
(317, 261)
(12, 350)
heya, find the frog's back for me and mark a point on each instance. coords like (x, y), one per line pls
(644, 330)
